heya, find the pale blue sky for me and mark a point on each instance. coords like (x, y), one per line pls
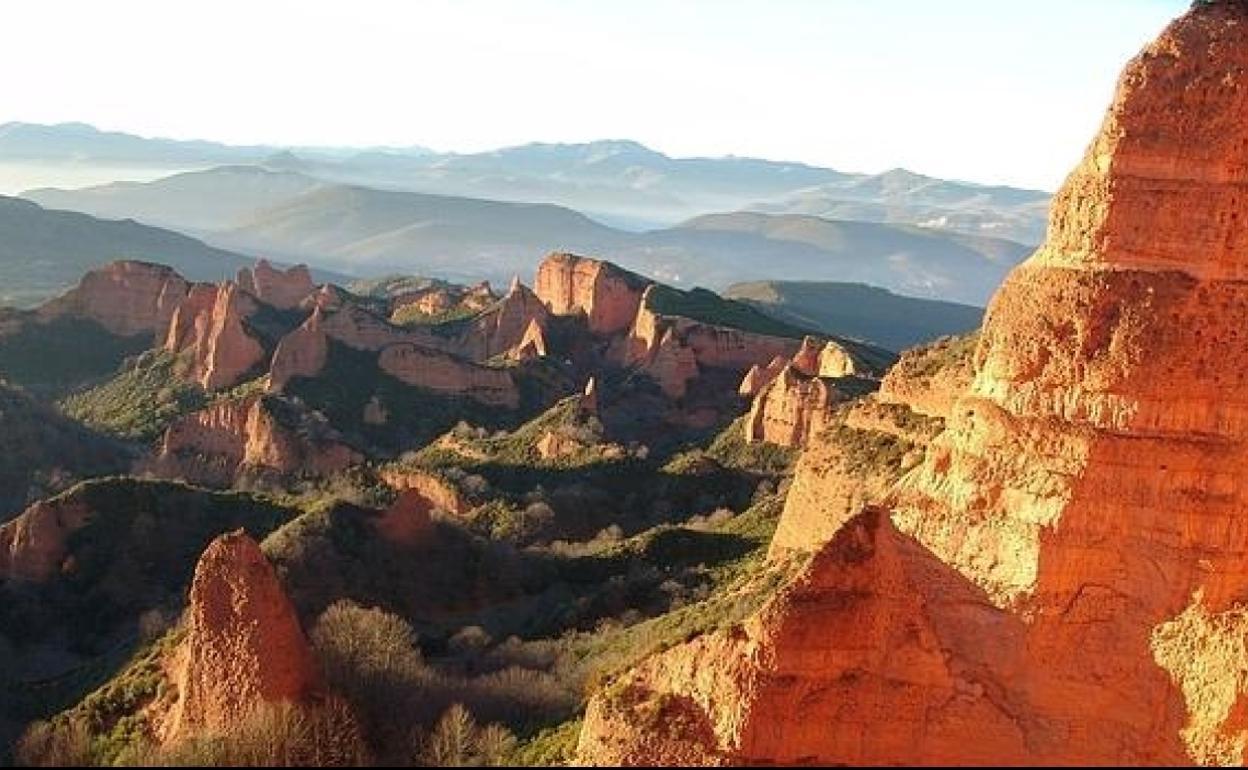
(990, 90)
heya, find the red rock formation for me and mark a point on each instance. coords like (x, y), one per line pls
(930, 378)
(791, 408)
(448, 375)
(407, 522)
(606, 294)
(208, 332)
(873, 653)
(836, 361)
(806, 359)
(532, 345)
(281, 289)
(127, 298)
(302, 353)
(588, 403)
(505, 326)
(33, 545)
(244, 647)
(215, 445)
(1068, 574)
(758, 377)
(439, 492)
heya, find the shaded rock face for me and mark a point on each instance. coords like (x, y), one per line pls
(1080, 514)
(208, 332)
(215, 445)
(532, 345)
(437, 492)
(302, 353)
(281, 289)
(126, 298)
(407, 522)
(244, 646)
(607, 295)
(33, 545)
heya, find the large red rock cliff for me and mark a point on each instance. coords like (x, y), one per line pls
(209, 334)
(606, 294)
(127, 298)
(244, 646)
(1063, 579)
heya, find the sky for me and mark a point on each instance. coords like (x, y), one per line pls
(999, 91)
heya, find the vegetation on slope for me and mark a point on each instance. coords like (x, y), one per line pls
(140, 402)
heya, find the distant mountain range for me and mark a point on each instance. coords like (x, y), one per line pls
(858, 311)
(45, 252)
(620, 183)
(292, 216)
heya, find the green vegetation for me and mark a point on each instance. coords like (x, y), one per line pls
(858, 311)
(410, 315)
(140, 402)
(944, 354)
(55, 356)
(708, 307)
(351, 379)
(42, 453)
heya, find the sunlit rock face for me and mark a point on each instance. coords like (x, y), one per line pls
(243, 647)
(606, 294)
(1082, 512)
(125, 297)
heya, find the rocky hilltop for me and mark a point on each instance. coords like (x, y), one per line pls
(1061, 579)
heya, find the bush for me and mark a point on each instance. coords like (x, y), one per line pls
(457, 741)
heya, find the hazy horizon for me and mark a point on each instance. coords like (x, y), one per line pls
(970, 90)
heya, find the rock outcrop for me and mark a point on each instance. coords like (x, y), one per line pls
(252, 435)
(440, 493)
(507, 325)
(930, 378)
(532, 344)
(449, 375)
(1062, 580)
(208, 332)
(302, 353)
(283, 289)
(244, 646)
(33, 545)
(127, 298)
(607, 295)
(791, 408)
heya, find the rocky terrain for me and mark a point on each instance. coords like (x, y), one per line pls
(599, 519)
(1057, 580)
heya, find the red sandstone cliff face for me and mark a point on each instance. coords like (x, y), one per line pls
(1063, 581)
(606, 294)
(207, 331)
(281, 289)
(214, 446)
(504, 326)
(33, 545)
(302, 353)
(437, 492)
(244, 646)
(127, 298)
(930, 378)
(448, 375)
(791, 408)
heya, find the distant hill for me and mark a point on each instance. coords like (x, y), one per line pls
(906, 259)
(904, 197)
(858, 311)
(44, 252)
(291, 216)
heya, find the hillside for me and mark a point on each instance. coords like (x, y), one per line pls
(858, 311)
(294, 217)
(44, 252)
(904, 259)
(904, 197)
